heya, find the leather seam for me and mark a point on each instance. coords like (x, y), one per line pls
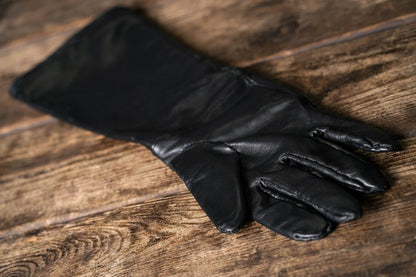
(318, 133)
(296, 197)
(334, 146)
(194, 143)
(288, 155)
(287, 199)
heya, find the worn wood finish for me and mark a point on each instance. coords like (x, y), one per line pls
(77, 204)
(245, 26)
(172, 236)
(234, 31)
(75, 173)
(370, 79)
(73, 154)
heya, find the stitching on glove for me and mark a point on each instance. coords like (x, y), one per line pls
(289, 155)
(194, 143)
(291, 196)
(319, 132)
(339, 148)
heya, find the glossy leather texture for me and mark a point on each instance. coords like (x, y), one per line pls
(246, 147)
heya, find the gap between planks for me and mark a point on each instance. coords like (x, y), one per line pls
(375, 28)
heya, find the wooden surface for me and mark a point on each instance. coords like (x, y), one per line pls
(74, 203)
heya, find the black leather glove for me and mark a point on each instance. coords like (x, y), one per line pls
(245, 146)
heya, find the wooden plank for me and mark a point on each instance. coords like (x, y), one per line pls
(257, 29)
(58, 172)
(39, 165)
(172, 236)
(230, 30)
(28, 19)
(370, 79)
(72, 201)
(234, 30)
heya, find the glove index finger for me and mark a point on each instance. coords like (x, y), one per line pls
(356, 134)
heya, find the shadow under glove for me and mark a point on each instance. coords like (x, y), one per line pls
(246, 147)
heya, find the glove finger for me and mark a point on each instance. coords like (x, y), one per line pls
(336, 164)
(355, 134)
(325, 196)
(287, 218)
(213, 177)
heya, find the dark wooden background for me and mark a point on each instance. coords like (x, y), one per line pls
(73, 203)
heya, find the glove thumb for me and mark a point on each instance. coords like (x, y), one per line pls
(211, 173)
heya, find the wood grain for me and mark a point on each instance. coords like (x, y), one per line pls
(370, 79)
(57, 159)
(74, 203)
(74, 173)
(172, 236)
(233, 31)
(27, 19)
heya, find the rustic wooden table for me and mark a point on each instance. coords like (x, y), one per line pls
(74, 203)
